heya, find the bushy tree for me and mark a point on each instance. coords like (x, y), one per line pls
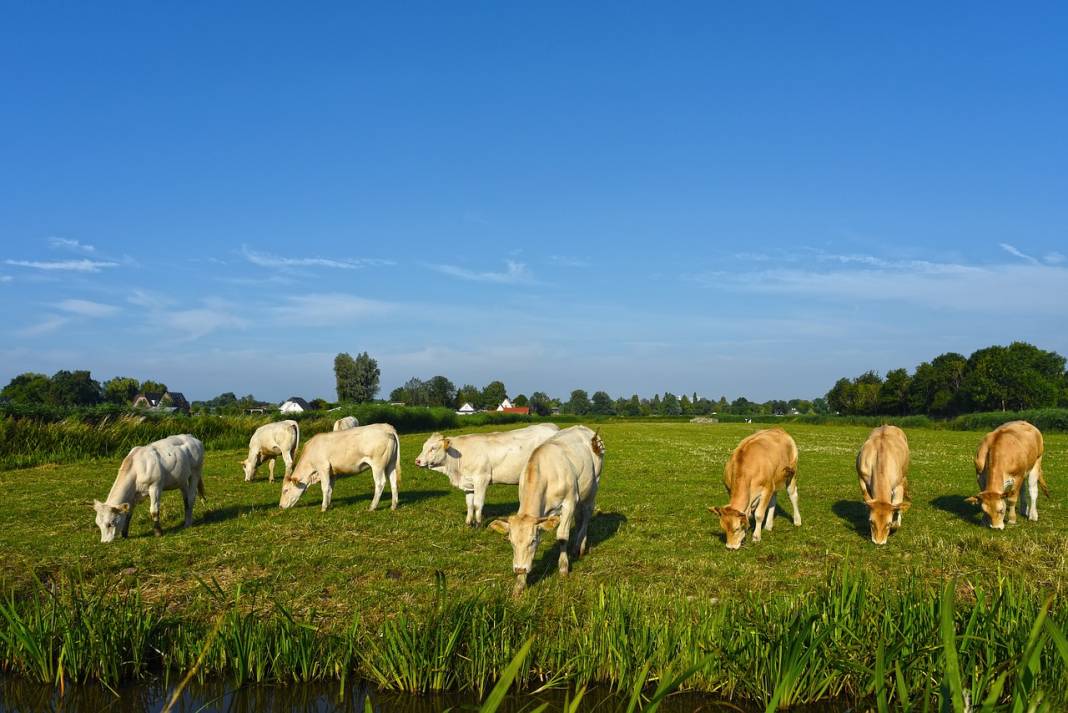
(894, 393)
(153, 387)
(540, 403)
(521, 400)
(468, 394)
(27, 389)
(670, 405)
(493, 394)
(601, 404)
(579, 403)
(74, 388)
(121, 390)
(440, 391)
(357, 379)
(417, 392)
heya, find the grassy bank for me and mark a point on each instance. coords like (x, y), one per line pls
(849, 640)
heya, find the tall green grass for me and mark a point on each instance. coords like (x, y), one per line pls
(851, 641)
(29, 441)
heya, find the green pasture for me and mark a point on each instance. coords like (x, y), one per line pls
(653, 532)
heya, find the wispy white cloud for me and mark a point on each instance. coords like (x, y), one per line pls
(6, 278)
(263, 259)
(1053, 258)
(86, 308)
(84, 265)
(199, 322)
(71, 245)
(148, 300)
(1015, 252)
(49, 324)
(515, 273)
(569, 261)
(328, 309)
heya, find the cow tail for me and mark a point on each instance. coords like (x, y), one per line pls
(296, 439)
(1042, 482)
(200, 488)
(397, 457)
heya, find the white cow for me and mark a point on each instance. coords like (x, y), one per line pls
(473, 462)
(280, 438)
(345, 423)
(558, 492)
(173, 463)
(328, 455)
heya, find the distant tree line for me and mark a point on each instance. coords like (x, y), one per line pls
(68, 389)
(1013, 378)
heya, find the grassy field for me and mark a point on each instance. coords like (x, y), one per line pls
(413, 600)
(653, 531)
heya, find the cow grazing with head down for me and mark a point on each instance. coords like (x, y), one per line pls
(558, 491)
(329, 455)
(883, 466)
(173, 463)
(345, 423)
(476, 461)
(1005, 457)
(762, 463)
(270, 441)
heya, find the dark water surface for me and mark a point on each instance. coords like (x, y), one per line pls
(17, 696)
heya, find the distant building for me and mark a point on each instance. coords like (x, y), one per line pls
(294, 404)
(168, 401)
(521, 410)
(505, 405)
(466, 409)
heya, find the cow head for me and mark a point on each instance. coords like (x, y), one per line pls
(435, 450)
(111, 519)
(881, 517)
(524, 532)
(994, 507)
(734, 524)
(248, 467)
(597, 444)
(293, 486)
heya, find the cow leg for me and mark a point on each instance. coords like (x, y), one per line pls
(1011, 499)
(380, 485)
(327, 484)
(470, 497)
(270, 468)
(129, 517)
(394, 483)
(769, 522)
(190, 496)
(761, 510)
(585, 514)
(1032, 491)
(791, 490)
(153, 506)
(479, 499)
(897, 496)
(563, 535)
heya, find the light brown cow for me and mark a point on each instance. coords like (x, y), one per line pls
(345, 423)
(762, 463)
(883, 466)
(328, 455)
(557, 491)
(1005, 456)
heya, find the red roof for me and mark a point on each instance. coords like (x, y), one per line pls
(525, 410)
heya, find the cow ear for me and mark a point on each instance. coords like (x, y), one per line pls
(97, 505)
(868, 501)
(903, 506)
(715, 510)
(445, 443)
(500, 526)
(549, 523)
(972, 500)
(125, 507)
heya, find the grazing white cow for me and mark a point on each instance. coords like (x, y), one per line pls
(1005, 457)
(270, 441)
(883, 469)
(475, 461)
(173, 463)
(329, 455)
(558, 491)
(346, 423)
(762, 464)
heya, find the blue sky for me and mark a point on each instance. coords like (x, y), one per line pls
(722, 198)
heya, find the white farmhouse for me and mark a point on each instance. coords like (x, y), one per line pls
(294, 404)
(466, 409)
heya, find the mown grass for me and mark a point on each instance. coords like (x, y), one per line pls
(657, 565)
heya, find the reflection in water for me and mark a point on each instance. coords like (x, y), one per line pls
(18, 696)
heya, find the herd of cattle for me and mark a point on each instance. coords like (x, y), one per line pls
(558, 472)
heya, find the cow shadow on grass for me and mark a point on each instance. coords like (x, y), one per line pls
(955, 505)
(406, 497)
(855, 514)
(498, 511)
(603, 527)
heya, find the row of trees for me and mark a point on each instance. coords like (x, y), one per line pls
(602, 404)
(74, 388)
(1013, 378)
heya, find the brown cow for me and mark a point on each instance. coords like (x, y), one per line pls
(1005, 456)
(761, 464)
(883, 466)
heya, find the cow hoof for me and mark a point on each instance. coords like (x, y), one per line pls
(157, 532)
(393, 506)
